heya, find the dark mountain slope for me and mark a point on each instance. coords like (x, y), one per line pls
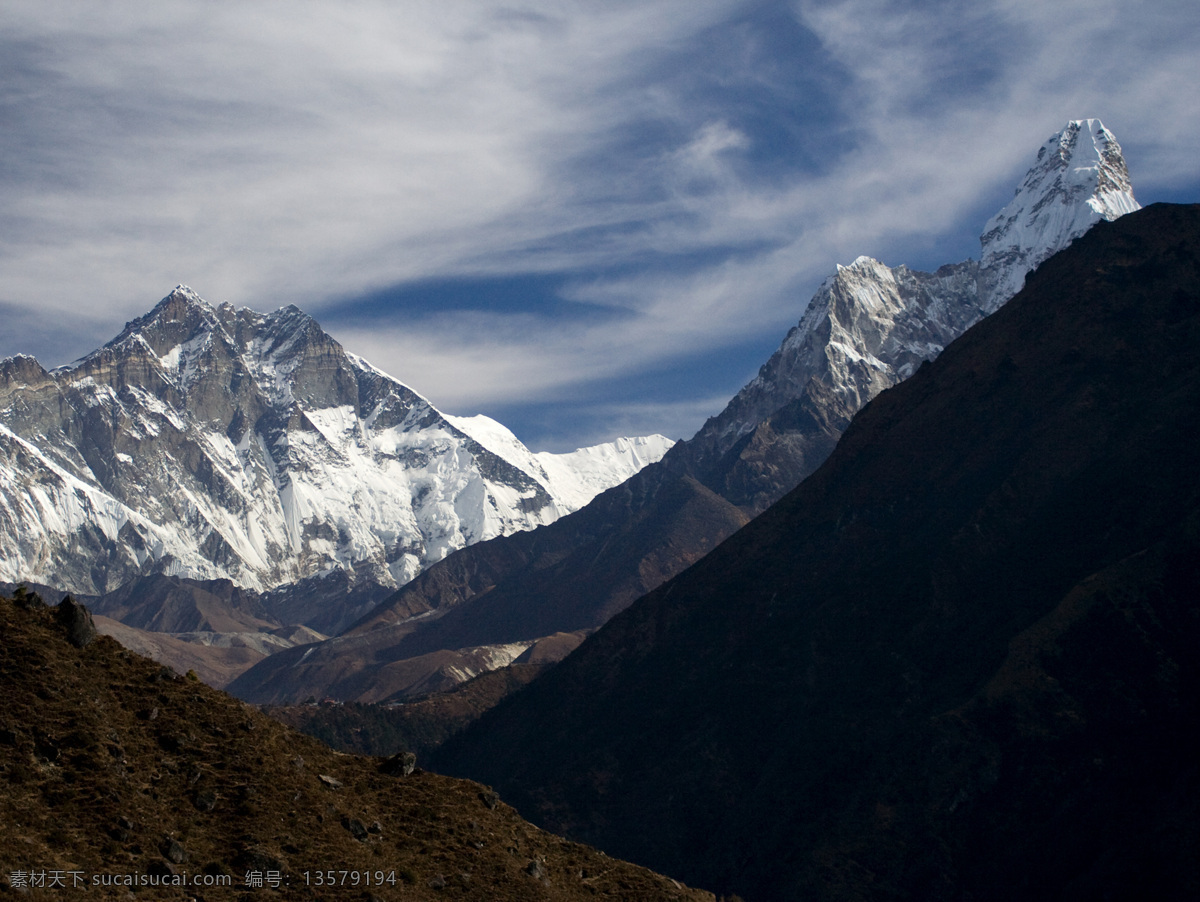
(115, 768)
(959, 661)
(868, 327)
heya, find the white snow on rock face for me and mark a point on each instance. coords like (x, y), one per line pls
(211, 442)
(1080, 177)
(576, 477)
(870, 325)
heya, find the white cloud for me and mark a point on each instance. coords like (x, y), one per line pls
(928, 150)
(308, 152)
(305, 149)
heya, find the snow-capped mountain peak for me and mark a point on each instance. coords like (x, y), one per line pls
(870, 325)
(181, 314)
(1079, 178)
(215, 442)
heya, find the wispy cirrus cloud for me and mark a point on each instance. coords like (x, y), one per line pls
(301, 148)
(539, 206)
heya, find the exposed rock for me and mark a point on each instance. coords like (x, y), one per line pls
(355, 828)
(205, 800)
(77, 621)
(252, 858)
(121, 830)
(160, 868)
(536, 870)
(30, 601)
(173, 851)
(401, 764)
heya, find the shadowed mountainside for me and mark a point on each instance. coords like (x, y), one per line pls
(868, 327)
(959, 661)
(419, 725)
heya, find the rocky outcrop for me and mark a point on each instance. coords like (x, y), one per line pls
(76, 622)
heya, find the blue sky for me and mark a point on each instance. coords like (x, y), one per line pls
(583, 219)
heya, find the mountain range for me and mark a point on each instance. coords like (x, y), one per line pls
(209, 444)
(913, 618)
(957, 662)
(868, 327)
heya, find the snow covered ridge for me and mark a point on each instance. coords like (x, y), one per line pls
(214, 442)
(1079, 178)
(871, 325)
(574, 477)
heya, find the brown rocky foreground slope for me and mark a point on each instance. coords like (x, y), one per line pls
(114, 769)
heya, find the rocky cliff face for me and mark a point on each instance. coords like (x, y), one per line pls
(868, 327)
(213, 442)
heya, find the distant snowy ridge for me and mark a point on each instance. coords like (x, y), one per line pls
(214, 442)
(573, 478)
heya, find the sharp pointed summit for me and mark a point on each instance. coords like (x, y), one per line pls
(219, 443)
(1078, 179)
(868, 327)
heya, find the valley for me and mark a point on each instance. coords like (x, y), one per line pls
(911, 617)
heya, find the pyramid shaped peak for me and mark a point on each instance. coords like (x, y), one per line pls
(1078, 178)
(1084, 155)
(182, 303)
(177, 317)
(1085, 149)
(185, 292)
(182, 297)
